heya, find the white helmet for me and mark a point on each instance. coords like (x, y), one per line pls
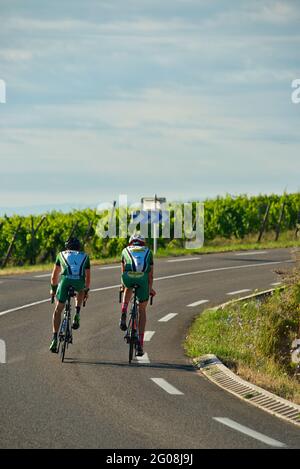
(137, 239)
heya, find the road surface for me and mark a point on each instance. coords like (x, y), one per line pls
(96, 399)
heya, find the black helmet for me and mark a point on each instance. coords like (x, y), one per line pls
(73, 244)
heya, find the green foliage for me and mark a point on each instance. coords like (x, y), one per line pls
(231, 217)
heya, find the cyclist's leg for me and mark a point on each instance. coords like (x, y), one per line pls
(126, 299)
(142, 321)
(57, 316)
(61, 298)
(55, 325)
(79, 286)
(78, 303)
(127, 283)
(143, 297)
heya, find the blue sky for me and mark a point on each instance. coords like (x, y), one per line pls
(184, 98)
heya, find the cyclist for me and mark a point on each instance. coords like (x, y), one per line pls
(75, 269)
(137, 269)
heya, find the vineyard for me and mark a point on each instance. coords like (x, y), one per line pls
(37, 239)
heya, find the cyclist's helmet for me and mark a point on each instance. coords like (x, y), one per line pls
(73, 244)
(137, 240)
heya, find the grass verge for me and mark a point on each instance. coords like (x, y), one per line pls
(254, 339)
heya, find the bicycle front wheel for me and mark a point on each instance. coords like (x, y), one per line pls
(64, 345)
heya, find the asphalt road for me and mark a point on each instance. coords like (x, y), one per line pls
(96, 399)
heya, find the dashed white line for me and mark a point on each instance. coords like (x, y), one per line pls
(42, 276)
(148, 335)
(238, 291)
(251, 253)
(197, 303)
(185, 260)
(167, 386)
(275, 284)
(106, 288)
(252, 433)
(110, 267)
(144, 360)
(168, 317)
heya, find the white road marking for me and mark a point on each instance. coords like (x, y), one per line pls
(166, 386)
(197, 303)
(253, 434)
(106, 288)
(42, 276)
(24, 307)
(144, 359)
(110, 267)
(148, 335)
(238, 291)
(186, 260)
(167, 278)
(220, 269)
(250, 253)
(275, 284)
(168, 317)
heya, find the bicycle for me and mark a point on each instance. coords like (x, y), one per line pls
(65, 335)
(132, 333)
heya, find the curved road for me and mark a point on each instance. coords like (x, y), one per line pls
(95, 399)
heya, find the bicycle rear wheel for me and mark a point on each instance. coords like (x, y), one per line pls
(131, 348)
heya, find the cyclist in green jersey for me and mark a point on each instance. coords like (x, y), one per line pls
(74, 269)
(137, 269)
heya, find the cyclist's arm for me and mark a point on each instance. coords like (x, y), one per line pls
(55, 276)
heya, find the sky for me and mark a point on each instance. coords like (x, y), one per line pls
(188, 99)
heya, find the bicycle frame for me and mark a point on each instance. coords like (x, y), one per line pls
(65, 336)
(132, 333)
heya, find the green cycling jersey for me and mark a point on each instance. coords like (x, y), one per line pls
(73, 264)
(137, 259)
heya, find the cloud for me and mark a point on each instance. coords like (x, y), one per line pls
(182, 97)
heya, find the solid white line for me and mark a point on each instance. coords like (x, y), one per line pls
(166, 386)
(220, 269)
(276, 284)
(238, 291)
(247, 431)
(186, 260)
(144, 359)
(148, 335)
(168, 317)
(42, 276)
(110, 267)
(250, 253)
(197, 303)
(24, 307)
